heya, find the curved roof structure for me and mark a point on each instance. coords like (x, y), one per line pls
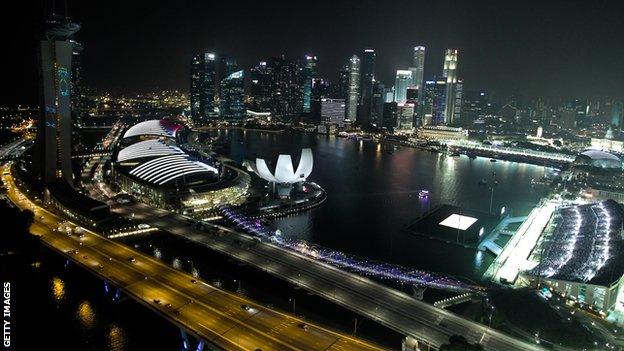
(157, 127)
(600, 155)
(598, 159)
(284, 169)
(147, 148)
(164, 169)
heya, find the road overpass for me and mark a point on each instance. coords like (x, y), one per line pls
(214, 316)
(388, 307)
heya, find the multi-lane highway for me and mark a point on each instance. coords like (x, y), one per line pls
(224, 319)
(387, 306)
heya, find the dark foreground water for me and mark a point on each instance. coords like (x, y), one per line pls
(56, 305)
(373, 194)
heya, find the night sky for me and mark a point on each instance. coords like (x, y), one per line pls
(535, 48)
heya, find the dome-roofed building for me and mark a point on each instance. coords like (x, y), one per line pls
(154, 127)
(598, 159)
(151, 165)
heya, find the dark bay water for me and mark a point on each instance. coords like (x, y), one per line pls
(373, 194)
(58, 305)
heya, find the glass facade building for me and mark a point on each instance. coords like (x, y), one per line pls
(203, 80)
(353, 91)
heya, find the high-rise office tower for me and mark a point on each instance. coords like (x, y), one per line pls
(231, 91)
(260, 87)
(450, 74)
(332, 111)
(439, 102)
(418, 68)
(458, 102)
(405, 116)
(203, 81)
(388, 94)
(428, 110)
(78, 109)
(418, 71)
(53, 147)
(321, 90)
(378, 101)
(353, 91)
(402, 81)
(389, 115)
(308, 75)
(366, 87)
(342, 89)
(286, 88)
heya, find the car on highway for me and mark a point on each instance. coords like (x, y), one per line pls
(245, 307)
(168, 305)
(157, 301)
(303, 326)
(194, 281)
(131, 259)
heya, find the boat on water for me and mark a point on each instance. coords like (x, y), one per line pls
(492, 160)
(423, 193)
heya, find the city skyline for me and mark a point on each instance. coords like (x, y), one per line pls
(369, 188)
(506, 50)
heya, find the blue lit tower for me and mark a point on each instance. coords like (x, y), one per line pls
(366, 87)
(353, 88)
(53, 147)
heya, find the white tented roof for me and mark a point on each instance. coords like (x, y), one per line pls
(153, 127)
(164, 169)
(147, 148)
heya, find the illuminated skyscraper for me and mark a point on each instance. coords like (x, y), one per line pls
(353, 91)
(428, 103)
(450, 74)
(286, 88)
(378, 101)
(439, 101)
(402, 81)
(366, 87)
(418, 68)
(53, 148)
(203, 80)
(231, 92)
(260, 87)
(308, 75)
(458, 102)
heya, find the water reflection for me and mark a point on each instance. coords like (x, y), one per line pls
(85, 315)
(116, 338)
(58, 288)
